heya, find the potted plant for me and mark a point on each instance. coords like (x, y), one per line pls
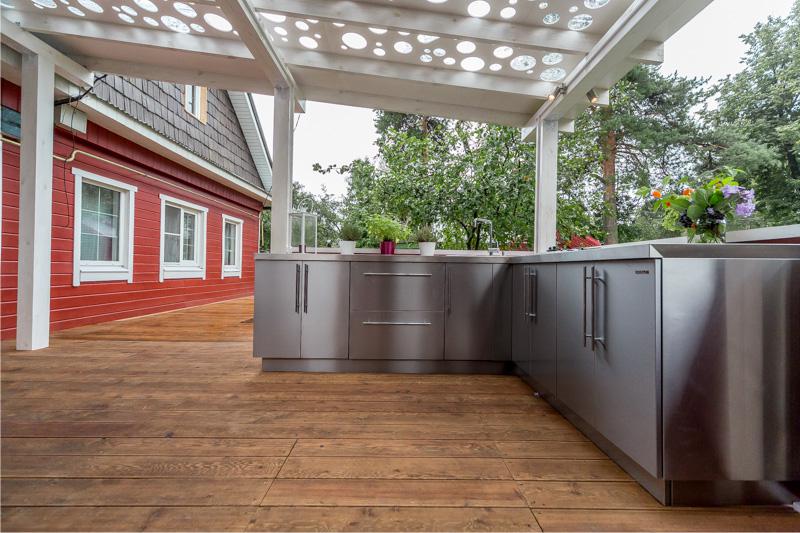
(426, 240)
(387, 231)
(348, 235)
(703, 212)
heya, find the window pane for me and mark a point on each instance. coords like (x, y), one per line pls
(109, 226)
(188, 236)
(230, 244)
(88, 247)
(107, 249)
(89, 222)
(109, 201)
(172, 220)
(172, 245)
(90, 196)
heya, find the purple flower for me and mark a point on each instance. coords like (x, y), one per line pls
(730, 190)
(745, 209)
(747, 195)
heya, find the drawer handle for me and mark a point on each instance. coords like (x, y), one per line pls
(373, 323)
(399, 274)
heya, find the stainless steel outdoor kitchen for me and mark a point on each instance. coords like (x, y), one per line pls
(681, 361)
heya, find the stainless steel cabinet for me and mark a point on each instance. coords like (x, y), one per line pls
(397, 287)
(326, 305)
(301, 309)
(396, 335)
(469, 312)
(277, 317)
(575, 358)
(542, 320)
(624, 323)
(502, 289)
(520, 322)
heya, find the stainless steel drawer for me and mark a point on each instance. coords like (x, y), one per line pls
(397, 335)
(397, 287)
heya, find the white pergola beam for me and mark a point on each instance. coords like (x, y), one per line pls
(545, 226)
(23, 42)
(611, 58)
(282, 155)
(35, 202)
(240, 13)
(445, 25)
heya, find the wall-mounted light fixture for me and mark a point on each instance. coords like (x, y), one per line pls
(561, 89)
(592, 96)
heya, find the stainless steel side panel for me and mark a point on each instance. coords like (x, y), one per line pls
(326, 306)
(469, 312)
(731, 369)
(397, 287)
(397, 335)
(278, 304)
(543, 325)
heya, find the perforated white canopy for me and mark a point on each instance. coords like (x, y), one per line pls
(487, 60)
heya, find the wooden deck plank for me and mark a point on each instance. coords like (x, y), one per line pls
(167, 423)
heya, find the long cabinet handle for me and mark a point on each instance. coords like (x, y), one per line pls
(596, 281)
(377, 323)
(305, 290)
(399, 274)
(585, 279)
(297, 288)
(533, 292)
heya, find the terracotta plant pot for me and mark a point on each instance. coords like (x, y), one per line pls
(387, 248)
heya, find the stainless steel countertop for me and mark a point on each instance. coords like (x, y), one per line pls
(602, 253)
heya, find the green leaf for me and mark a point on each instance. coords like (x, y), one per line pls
(694, 211)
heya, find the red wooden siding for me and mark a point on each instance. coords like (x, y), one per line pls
(94, 302)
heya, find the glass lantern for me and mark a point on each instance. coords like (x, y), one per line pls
(304, 231)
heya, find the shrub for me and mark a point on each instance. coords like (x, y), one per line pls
(383, 228)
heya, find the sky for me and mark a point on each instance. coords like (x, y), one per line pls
(329, 134)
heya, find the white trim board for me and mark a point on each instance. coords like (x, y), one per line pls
(121, 270)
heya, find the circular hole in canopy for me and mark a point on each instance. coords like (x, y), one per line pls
(378, 31)
(127, 18)
(197, 27)
(553, 74)
(426, 58)
(281, 31)
(300, 25)
(580, 22)
(479, 8)
(449, 61)
(552, 59)
(439, 52)
(185, 9)
(403, 47)
(129, 10)
(217, 22)
(175, 24)
(508, 12)
(472, 64)
(523, 62)
(75, 11)
(503, 52)
(426, 39)
(494, 67)
(147, 5)
(274, 17)
(551, 18)
(466, 47)
(50, 4)
(595, 4)
(150, 21)
(380, 52)
(354, 40)
(308, 42)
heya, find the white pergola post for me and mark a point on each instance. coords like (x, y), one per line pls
(546, 185)
(282, 151)
(35, 203)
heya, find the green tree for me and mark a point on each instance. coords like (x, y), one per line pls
(758, 119)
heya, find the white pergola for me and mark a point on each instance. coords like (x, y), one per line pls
(523, 63)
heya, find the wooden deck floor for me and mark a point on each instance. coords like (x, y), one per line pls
(167, 423)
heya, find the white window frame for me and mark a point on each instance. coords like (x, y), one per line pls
(229, 271)
(184, 269)
(193, 106)
(122, 269)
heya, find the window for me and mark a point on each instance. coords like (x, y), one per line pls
(196, 102)
(103, 233)
(183, 239)
(231, 247)
(10, 122)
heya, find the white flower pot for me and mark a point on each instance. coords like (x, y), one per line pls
(347, 247)
(427, 248)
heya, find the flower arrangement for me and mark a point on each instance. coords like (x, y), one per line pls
(704, 211)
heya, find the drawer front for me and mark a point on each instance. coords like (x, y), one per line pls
(397, 287)
(397, 335)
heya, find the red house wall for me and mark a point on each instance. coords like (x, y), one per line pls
(94, 302)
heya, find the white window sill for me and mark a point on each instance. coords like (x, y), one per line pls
(91, 273)
(182, 272)
(228, 272)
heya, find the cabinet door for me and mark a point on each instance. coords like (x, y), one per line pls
(276, 320)
(501, 287)
(469, 312)
(543, 322)
(575, 359)
(326, 309)
(520, 325)
(626, 378)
